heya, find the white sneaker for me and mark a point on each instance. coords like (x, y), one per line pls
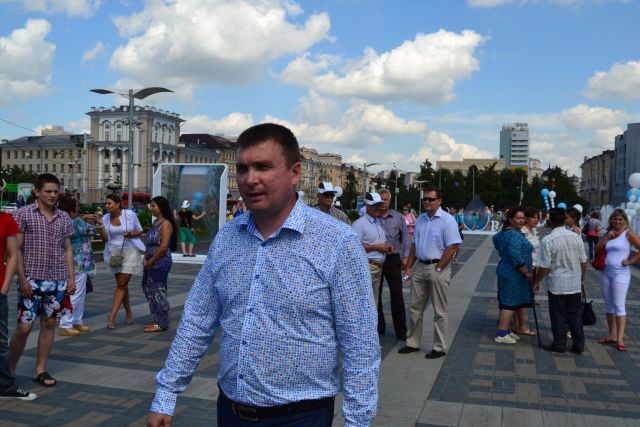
(514, 335)
(18, 394)
(507, 339)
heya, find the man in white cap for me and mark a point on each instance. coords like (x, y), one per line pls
(372, 235)
(326, 192)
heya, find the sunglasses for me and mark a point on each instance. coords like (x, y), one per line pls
(429, 199)
(327, 194)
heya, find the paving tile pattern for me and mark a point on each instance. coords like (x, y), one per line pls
(602, 381)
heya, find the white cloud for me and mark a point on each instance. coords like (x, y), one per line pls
(488, 3)
(194, 41)
(315, 108)
(425, 69)
(622, 81)
(83, 8)
(440, 146)
(82, 125)
(232, 124)
(91, 54)
(304, 68)
(584, 117)
(26, 59)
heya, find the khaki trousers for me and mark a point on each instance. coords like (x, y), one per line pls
(427, 285)
(376, 275)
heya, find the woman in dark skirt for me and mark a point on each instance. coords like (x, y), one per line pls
(161, 240)
(514, 273)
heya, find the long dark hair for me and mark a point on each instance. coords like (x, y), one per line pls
(165, 210)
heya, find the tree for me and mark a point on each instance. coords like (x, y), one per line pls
(350, 192)
(17, 174)
(427, 173)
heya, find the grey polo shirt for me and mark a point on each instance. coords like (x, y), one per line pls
(395, 228)
(370, 231)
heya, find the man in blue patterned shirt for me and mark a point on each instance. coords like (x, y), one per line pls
(296, 297)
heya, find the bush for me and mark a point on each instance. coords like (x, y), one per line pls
(145, 219)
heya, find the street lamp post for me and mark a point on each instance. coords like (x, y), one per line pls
(397, 190)
(366, 178)
(132, 94)
(420, 201)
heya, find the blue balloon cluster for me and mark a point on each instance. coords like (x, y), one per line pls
(545, 196)
(562, 205)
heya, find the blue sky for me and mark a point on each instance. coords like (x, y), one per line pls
(376, 81)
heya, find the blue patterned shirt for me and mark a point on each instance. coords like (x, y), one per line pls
(289, 306)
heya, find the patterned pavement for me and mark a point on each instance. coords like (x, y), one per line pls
(106, 377)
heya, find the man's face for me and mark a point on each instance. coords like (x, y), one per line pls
(431, 202)
(265, 181)
(48, 194)
(325, 200)
(386, 199)
(375, 210)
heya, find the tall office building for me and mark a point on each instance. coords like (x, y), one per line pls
(514, 145)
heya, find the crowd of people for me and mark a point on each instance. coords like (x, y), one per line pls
(305, 286)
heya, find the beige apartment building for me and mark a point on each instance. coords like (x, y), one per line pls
(596, 182)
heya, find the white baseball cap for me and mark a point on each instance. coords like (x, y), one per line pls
(326, 187)
(372, 199)
(185, 204)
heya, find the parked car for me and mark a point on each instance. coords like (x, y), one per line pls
(11, 208)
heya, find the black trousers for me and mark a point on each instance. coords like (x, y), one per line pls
(566, 310)
(392, 271)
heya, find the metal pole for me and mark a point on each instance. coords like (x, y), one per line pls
(395, 207)
(366, 179)
(473, 183)
(521, 179)
(84, 169)
(130, 175)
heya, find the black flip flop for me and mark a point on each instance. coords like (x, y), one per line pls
(43, 377)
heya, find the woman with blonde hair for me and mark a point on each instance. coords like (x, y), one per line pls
(616, 276)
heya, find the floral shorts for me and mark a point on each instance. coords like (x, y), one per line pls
(49, 299)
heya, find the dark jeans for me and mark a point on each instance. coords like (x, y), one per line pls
(7, 381)
(392, 271)
(592, 242)
(566, 310)
(322, 417)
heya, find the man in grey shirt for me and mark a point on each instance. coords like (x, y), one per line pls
(326, 192)
(398, 237)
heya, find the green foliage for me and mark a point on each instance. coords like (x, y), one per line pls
(145, 218)
(349, 192)
(17, 174)
(353, 215)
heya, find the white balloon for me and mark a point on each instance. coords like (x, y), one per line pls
(636, 206)
(634, 180)
(552, 194)
(632, 198)
(578, 206)
(338, 191)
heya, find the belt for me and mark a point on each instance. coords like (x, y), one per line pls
(376, 263)
(429, 261)
(256, 413)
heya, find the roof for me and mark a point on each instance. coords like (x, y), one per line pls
(208, 140)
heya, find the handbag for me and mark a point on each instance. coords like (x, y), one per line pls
(116, 260)
(599, 260)
(588, 316)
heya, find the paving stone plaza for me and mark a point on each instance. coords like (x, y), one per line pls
(106, 377)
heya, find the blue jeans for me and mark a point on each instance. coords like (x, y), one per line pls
(592, 242)
(7, 381)
(322, 417)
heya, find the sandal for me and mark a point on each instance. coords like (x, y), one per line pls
(606, 341)
(42, 379)
(528, 332)
(153, 328)
(622, 347)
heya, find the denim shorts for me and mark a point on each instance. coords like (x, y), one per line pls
(49, 299)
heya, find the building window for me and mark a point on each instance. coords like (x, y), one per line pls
(8, 155)
(53, 167)
(62, 154)
(46, 167)
(30, 168)
(38, 168)
(23, 154)
(46, 154)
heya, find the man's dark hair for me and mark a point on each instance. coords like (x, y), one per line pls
(46, 178)
(264, 132)
(574, 214)
(556, 217)
(68, 204)
(433, 189)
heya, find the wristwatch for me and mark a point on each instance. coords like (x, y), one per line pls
(438, 269)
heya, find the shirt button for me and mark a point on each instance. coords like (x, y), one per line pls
(263, 244)
(244, 342)
(257, 276)
(241, 376)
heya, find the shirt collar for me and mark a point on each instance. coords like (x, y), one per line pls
(295, 221)
(438, 214)
(369, 218)
(54, 211)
